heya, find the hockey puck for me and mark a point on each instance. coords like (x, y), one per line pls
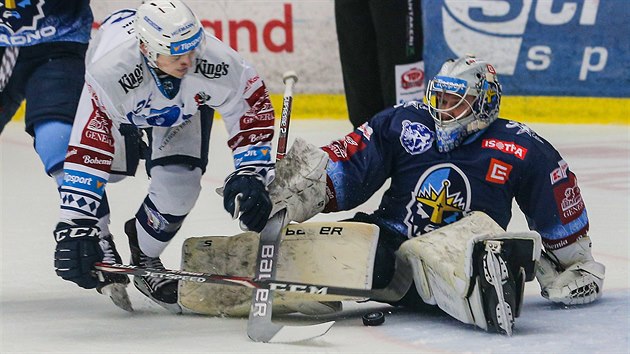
(375, 318)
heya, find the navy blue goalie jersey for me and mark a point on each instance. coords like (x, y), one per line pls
(30, 22)
(430, 189)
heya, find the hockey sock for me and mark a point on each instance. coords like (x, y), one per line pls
(51, 144)
(156, 229)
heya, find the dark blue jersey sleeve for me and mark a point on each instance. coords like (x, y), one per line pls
(549, 196)
(360, 163)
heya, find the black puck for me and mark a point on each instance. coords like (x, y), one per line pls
(375, 318)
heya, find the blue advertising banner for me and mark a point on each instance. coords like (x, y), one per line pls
(538, 47)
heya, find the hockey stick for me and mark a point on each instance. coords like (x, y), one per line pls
(394, 292)
(260, 327)
(289, 78)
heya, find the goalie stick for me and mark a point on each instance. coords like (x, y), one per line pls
(260, 327)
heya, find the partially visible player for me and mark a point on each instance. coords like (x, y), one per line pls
(156, 73)
(446, 160)
(42, 51)
(380, 49)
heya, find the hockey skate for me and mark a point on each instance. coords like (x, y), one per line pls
(112, 284)
(161, 290)
(498, 287)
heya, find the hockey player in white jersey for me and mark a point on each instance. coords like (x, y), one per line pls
(155, 73)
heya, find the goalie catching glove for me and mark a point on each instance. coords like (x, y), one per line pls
(570, 275)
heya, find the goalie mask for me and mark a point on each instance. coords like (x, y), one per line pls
(463, 98)
(167, 27)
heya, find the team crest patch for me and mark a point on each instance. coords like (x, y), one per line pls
(19, 15)
(416, 138)
(441, 196)
(569, 200)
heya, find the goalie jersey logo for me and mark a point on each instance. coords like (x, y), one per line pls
(416, 138)
(441, 196)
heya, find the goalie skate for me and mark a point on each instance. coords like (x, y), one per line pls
(498, 288)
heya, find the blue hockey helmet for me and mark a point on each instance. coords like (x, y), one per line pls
(463, 98)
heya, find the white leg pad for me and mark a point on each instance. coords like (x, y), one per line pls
(442, 262)
(324, 253)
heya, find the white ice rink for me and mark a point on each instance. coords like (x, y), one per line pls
(40, 313)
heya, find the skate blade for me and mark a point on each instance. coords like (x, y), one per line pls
(140, 285)
(172, 308)
(118, 294)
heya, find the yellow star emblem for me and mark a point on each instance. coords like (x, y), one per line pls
(440, 203)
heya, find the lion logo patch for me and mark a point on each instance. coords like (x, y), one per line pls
(416, 138)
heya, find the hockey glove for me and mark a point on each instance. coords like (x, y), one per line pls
(570, 275)
(253, 201)
(76, 252)
(579, 284)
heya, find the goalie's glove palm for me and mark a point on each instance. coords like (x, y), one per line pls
(76, 252)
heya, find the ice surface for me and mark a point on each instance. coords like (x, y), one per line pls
(40, 313)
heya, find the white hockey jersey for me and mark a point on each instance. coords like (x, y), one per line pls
(122, 89)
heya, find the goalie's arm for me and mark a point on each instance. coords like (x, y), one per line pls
(339, 176)
(550, 197)
(360, 163)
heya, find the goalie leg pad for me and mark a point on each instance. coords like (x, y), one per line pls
(323, 253)
(470, 267)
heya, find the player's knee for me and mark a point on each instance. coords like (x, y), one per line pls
(174, 189)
